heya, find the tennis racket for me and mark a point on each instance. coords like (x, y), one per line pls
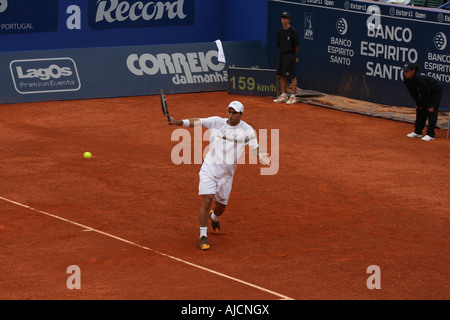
(164, 105)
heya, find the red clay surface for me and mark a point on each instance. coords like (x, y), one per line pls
(351, 191)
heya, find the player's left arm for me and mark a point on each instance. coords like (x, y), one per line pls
(262, 156)
(252, 141)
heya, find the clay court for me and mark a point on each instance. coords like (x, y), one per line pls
(351, 191)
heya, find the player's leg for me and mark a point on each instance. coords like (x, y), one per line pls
(206, 189)
(220, 202)
(207, 200)
(219, 208)
(214, 215)
(203, 220)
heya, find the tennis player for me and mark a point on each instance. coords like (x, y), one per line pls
(228, 139)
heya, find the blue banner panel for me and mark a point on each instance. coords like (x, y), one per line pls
(17, 16)
(357, 49)
(140, 13)
(29, 76)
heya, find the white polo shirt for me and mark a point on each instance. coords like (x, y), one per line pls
(226, 145)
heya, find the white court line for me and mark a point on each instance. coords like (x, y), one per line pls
(86, 228)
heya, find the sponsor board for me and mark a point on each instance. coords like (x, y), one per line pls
(140, 13)
(253, 82)
(122, 71)
(357, 49)
(19, 16)
(31, 76)
(185, 68)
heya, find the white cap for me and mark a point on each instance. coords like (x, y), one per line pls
(236, 105)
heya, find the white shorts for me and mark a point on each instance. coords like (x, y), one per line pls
(219, 187)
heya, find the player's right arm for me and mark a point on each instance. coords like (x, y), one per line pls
(192, 122)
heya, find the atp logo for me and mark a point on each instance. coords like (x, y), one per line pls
(308, 31)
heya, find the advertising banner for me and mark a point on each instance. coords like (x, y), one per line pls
(357, 49)
(17, 16)
(122, 71)
(140, 13)
(253, 82)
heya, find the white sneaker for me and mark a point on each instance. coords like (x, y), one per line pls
(427, 138)
(292, 100)
(414, 135)
(281, 99)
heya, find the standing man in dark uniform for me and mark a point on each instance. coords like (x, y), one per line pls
(427, 93)
(288, 44)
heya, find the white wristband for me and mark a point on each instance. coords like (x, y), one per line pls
(186, 122)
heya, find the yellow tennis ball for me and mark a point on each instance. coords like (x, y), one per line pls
(87, 155)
